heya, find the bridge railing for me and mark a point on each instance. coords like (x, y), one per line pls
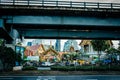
(70, 4)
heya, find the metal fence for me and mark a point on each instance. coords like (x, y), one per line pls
(70, 4)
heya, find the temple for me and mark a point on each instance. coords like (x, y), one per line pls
(45, 52)
(87, 48)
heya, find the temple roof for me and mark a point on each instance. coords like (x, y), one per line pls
(50, 49)
(87, 42)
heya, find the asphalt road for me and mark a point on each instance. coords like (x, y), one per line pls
(81, 77)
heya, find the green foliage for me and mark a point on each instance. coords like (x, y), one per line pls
(18, 57)
(86, 56)
(100, 45)
(29, 68)
(19, 43)
(1, 41)
(24, 57)
(86, 68)
(112, 54)
(70, 56)
(118, 48)
(8, 57)
(113, 51)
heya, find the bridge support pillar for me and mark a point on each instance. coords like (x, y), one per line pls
(4, 34)
(16, 37)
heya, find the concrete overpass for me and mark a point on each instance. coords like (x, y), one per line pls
(59, 19)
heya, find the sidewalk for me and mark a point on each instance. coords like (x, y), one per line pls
(47, 72)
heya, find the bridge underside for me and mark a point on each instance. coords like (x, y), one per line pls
(61, 22)
(66, 27)
(70, 34)
(67, 31)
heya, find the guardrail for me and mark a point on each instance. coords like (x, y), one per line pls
(70, 4)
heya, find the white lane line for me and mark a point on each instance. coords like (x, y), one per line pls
(46, 78)
(6, 78)
(91, 79)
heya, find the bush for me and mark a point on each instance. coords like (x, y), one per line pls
(70, 68)
(29, 68)
(86, 68)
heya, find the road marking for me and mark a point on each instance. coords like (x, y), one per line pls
(46, 78)
(5, 78)
(91, 79)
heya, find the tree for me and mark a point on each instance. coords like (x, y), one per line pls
(73, 55)
(112, 54)
(19, 43)
(18, 58)
(70, 56)
(2, 51)
(100, 45)
(1, 41)
(118, 48)
(8, 57)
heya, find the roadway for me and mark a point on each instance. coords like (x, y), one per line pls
(76, 77)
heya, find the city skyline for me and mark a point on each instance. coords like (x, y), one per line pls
(47, 42)
(53, 41)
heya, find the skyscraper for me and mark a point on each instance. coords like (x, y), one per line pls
(58, 45)
(37, 42)
(70, 43)
(29, 43)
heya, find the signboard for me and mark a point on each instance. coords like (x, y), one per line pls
(20, 49)
(33, 58)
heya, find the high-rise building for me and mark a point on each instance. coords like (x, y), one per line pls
(58, 45)
(37, 42)
(70, 43)
(29, 43)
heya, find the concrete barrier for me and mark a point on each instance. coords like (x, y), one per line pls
(17, 68)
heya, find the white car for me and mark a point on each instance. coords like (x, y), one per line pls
(47, 64)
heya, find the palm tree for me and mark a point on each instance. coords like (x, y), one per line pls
(100, 45)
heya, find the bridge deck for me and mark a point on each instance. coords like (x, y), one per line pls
(41, 7)
(70, 4)
(38, 19)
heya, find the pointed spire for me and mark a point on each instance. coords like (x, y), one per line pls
(50, 44)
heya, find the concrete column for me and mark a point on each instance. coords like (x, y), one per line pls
(15, 34)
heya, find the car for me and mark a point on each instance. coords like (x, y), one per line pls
(47, 64)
